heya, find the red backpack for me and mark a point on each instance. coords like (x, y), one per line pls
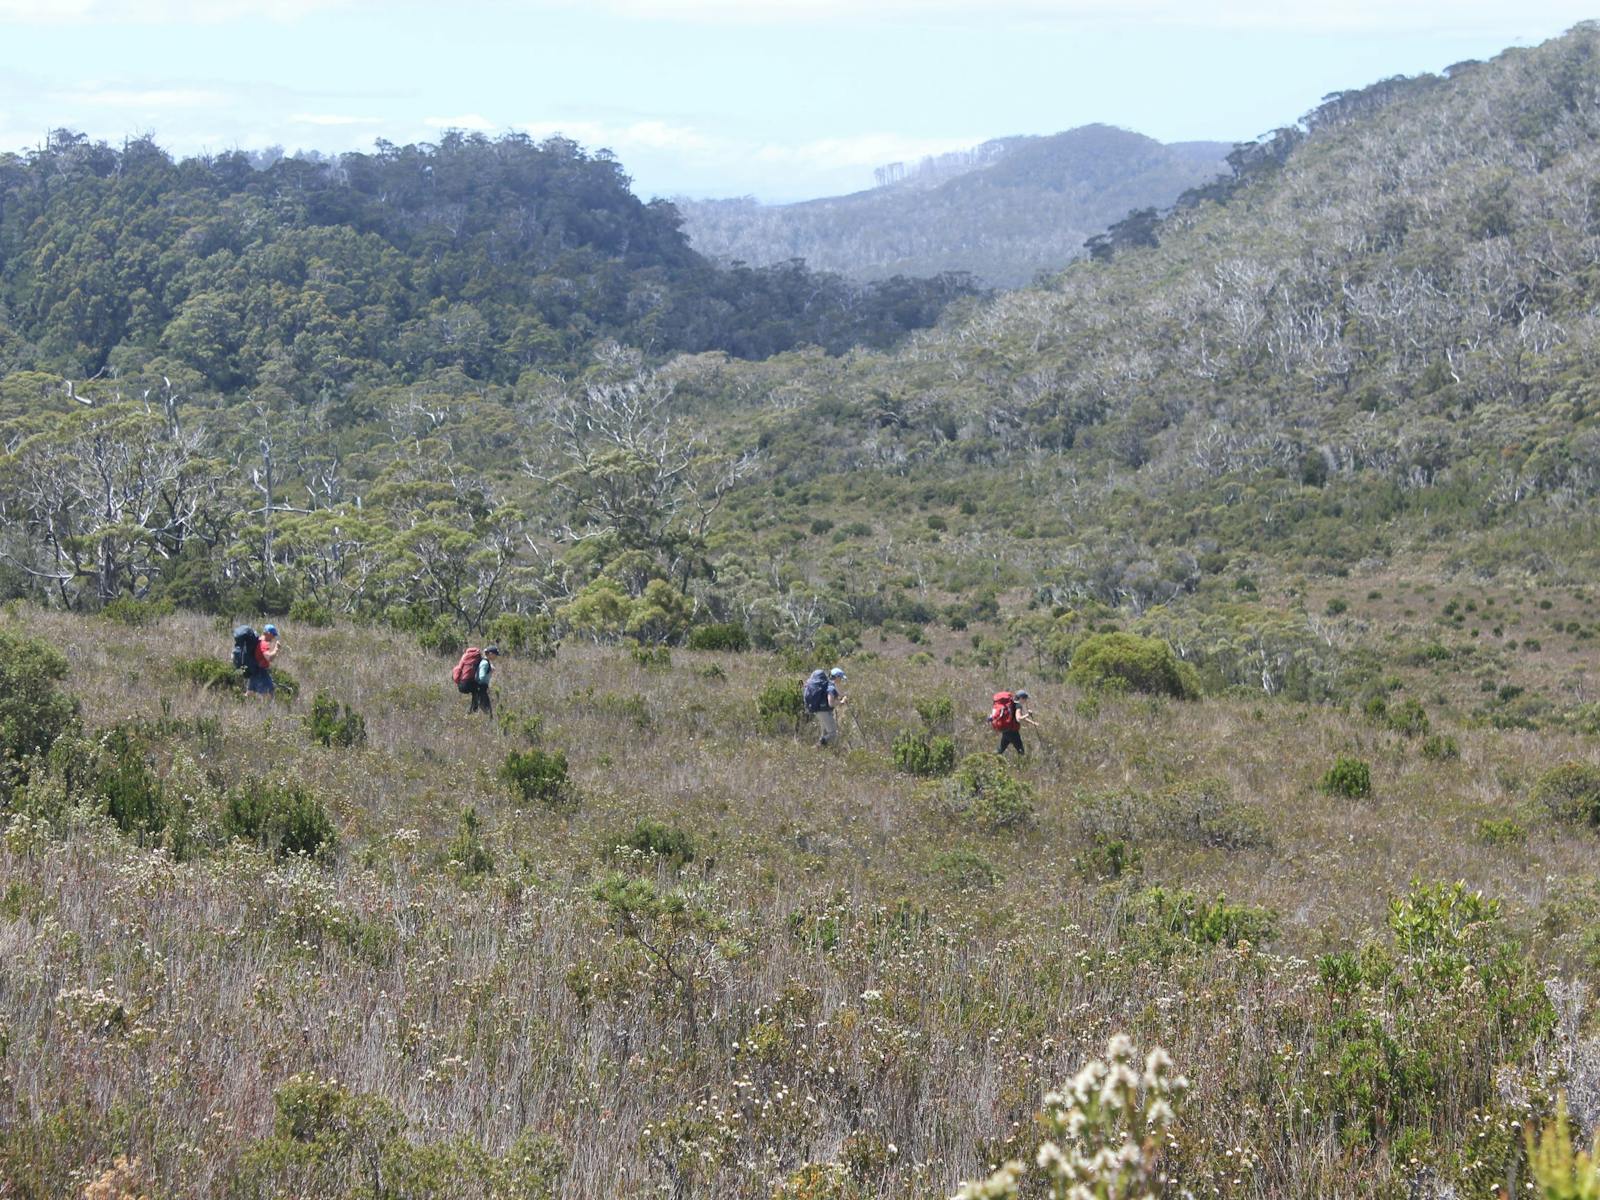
(1004, 715)
(465, 672)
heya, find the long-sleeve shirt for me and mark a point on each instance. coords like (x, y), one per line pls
(485, 669)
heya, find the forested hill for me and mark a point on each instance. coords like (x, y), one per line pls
(484, 256)
(1003, 211)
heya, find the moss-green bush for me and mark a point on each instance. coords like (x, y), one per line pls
(669, 843)
(523, 634)
(1177, 913)
(34, 711)
(985, 795)
(964, 870)
(285, 818)
(539, 777)
(209, 674)
(1348, 777)
(917, 754)
(779, 705)
(1570, 792)
(728, 636)
(1130, 662)
(333, 724)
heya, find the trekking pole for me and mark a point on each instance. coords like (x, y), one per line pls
(857, 720)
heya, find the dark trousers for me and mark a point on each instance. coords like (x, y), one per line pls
(1010, 737)
(480, 699)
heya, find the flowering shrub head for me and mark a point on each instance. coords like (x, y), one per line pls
(1103, 1133)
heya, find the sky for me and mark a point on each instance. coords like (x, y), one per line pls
(778, 99)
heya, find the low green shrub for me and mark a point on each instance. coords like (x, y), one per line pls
(1440, 747)
(965, 870)
(1570, 792)
(779, 706)
(729, 636)
(1502, 831)
(209, 674)
(984, 794)
(539, 777)
(523, 634)
(1348, 777)
(1408, 718)
(917, 754)
(34, 711)
(652, 656)
(1130, 662)
(938, 713)
(1206, 813)
(1177, 913)
(1109, 858)
(285, 818)
(672, 845)
(306, 611)
(126, 787)
(333, 724)
(468, 857)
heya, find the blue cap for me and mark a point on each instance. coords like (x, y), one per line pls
(272, 629)
(836, 673)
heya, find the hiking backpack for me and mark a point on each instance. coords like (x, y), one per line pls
(1003, 716)
(815, 692)
(465, 672)
(244, 647)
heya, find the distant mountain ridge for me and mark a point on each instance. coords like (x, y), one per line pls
(1003, 211)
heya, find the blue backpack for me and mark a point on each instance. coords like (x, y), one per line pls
(815, 692)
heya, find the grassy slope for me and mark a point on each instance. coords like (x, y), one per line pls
(485, 1008)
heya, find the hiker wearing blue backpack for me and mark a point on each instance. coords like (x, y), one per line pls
(253, 654)
(822, 698)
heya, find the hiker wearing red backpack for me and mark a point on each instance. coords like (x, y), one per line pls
(471, 676)
(1007, 717)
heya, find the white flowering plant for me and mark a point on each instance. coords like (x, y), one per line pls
(1103, 1133)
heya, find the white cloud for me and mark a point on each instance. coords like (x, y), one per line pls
(472, 121)
(629, 135)
(145, 98)
(333, 119)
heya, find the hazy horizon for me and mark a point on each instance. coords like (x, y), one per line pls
(781, 100)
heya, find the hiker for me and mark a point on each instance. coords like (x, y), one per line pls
(822, 696)
(253, 654)
(1007, 718)
(472, 674)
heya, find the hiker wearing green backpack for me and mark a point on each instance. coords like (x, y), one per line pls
(472, 674)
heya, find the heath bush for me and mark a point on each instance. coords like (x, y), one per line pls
(669, 843)
(1128, 661)
(965, 870)
(1348, 777)
(331, 726)
(779, 705)
(539, 777)
(917, 754)
(210, 674)
(285, 818)
(728, 636)
(985, 794)
(34, 711)
(1571, 792)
